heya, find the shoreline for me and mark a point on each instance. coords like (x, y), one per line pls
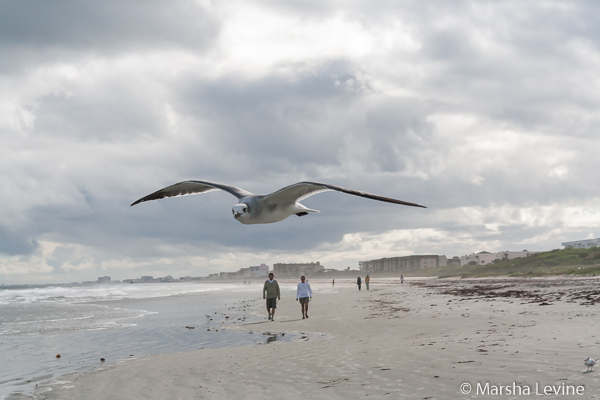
(144, 326)
(405, 341)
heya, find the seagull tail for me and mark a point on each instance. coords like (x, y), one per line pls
(302, 209)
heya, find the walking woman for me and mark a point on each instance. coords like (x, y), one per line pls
(303, 295)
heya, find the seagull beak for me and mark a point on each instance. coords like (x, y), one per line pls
(236, 214)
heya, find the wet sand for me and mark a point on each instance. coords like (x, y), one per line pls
(420, 340)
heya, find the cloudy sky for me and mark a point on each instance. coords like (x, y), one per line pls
(487, 112)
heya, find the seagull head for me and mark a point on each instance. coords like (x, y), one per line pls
(241, 212)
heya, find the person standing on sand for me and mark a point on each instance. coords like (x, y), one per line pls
(302, 294)
(367, 280)
(333, 283)
(272, 294)
(358, 282)
(401, 279)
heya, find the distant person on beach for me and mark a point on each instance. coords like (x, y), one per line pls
(401, 279)
(302, 294)
(333, 282)
(358, 282)
(367, 280)
(272, 294)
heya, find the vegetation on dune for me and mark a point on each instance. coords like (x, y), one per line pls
(555, 262)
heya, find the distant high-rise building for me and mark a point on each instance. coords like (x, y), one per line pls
(261, 270)
(103, 279)
(406, 263)
(297, 269)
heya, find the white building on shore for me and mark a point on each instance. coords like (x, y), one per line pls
(511, 255)
(481, 258)
(485, 257)
(582, 244)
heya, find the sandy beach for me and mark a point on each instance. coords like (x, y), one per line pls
(426, 339)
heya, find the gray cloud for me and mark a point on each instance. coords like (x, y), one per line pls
(16, 243)
(105, 26)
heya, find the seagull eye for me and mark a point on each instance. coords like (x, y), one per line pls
(245, 209)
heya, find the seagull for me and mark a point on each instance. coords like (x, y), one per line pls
(588, 362)
(264, 209)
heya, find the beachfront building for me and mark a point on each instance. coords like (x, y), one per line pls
(244, 273)
(297, 269)
(261, 270)
(582, 244)
(484, 257)
(104, 279)
(453, 261)
(511, 255)
(400, 264)
(480, 258)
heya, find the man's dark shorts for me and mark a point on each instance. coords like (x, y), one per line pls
(272, 303)
(303, 300)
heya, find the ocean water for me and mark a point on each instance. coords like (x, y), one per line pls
(117, 322)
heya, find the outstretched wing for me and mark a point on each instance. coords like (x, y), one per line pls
(192, 187)
(301, 190)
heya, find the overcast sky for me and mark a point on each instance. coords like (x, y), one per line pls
(487, 112)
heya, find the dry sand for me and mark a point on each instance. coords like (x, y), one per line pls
(410, 341)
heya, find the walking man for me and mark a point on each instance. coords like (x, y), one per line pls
(367, 280)
(358, 282)
(272, 294)
(302, 294)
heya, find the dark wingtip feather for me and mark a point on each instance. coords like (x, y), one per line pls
(145, 198)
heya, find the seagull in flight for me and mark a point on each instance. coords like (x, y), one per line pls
(265, 209)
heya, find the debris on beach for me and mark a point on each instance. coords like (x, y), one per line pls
(102, 360)
(190, 327)
(58, 356)
(542, 292)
